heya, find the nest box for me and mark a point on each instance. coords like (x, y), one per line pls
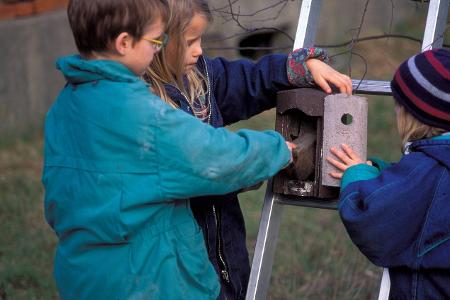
(315, 122)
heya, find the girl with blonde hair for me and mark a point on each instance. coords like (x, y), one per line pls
(222, 92)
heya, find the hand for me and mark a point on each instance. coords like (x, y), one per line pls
(347, 158)
(291, 147)
(323, 74)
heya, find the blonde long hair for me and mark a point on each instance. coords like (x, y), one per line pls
(411, 129)
(159, 71)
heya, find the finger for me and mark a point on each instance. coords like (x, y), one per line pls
(336, 152)
(291, 145)
(349, 84)
(343, 87)
(341, 155)
(322, 83)
(350, 153)
(336, 79)
(336, 175)
(337, 164)
(348, 150)
(343, 82)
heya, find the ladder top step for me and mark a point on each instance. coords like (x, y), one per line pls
(372, 87)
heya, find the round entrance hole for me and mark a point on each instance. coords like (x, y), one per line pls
(347, 119)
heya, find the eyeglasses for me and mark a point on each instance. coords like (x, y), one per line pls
(159, 43)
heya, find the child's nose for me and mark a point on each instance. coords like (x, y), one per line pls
(198, 51)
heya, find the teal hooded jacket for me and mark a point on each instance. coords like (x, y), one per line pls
(119, 167)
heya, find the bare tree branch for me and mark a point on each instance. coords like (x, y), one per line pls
(284, 2)
(231, 12)
(352, 44)
(340, 45)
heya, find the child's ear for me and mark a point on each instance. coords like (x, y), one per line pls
(123, 43)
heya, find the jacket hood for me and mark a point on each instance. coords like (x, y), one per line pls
(436, 148)
(78, 70)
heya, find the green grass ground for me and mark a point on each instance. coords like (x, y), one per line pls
(27, 243)
(314, 259)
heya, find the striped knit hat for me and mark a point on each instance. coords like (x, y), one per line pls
(422, 85)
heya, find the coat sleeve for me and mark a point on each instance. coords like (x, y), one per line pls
(243, 88)
(384, 216)
(379, 163)
(197, 159)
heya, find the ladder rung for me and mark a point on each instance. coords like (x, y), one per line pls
(307, 201)
(372, 87)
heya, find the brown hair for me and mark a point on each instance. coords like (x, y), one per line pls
(181, 14)
(411, 129)
(96, 24)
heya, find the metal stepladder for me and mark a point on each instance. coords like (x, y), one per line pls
(273, 203)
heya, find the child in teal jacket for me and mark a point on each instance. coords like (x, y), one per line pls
(120, 164)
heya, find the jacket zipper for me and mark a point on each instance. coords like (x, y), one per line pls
(221, 260)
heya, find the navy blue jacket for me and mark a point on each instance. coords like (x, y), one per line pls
(401, 219)
(239, 90)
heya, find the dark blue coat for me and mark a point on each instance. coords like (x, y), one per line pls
(401, 219)
(239, 90)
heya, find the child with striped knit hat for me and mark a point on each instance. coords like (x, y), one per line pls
(399, 214)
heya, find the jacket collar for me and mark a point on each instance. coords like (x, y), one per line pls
(78, 70)
(437, 148)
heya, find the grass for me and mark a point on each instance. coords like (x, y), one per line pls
(27, 243)
(315, 259)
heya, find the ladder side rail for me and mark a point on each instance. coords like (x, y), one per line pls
(265, 247)
(308, 21)
(272, 209)
(435, 24)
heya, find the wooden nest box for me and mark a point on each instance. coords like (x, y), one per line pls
(315, 122)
